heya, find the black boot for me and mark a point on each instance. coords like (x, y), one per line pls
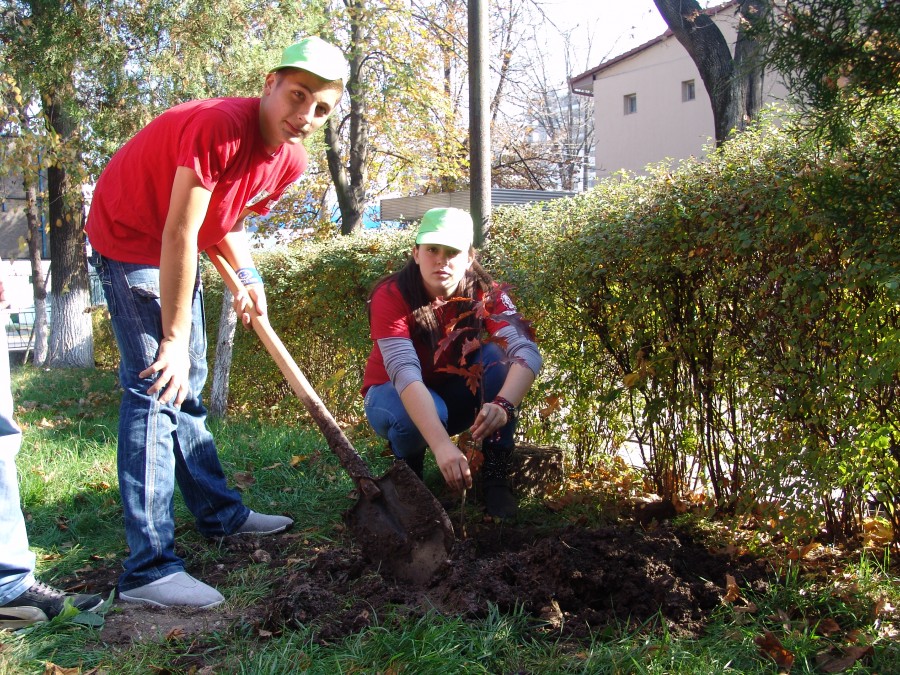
(499, 500)
(417, 464)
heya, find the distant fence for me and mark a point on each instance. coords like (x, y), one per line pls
(20, 323)
(20, 330)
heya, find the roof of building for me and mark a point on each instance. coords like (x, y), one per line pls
(582, 83)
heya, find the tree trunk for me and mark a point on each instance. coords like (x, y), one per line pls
(71, 336)
(734, 84)
(218, 395)
(350, 181)
(38, 282)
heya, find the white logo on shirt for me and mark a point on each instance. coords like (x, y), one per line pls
(258, 198)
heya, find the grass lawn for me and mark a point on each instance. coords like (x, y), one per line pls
(292, 600)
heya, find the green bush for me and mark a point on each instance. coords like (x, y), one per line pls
(734, 324)
(316, 294)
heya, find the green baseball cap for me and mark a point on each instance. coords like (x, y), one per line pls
(447, 227)
(318, 57)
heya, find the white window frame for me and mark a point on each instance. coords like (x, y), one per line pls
(688, 91)
(629, 104)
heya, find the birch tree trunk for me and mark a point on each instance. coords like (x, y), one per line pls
(38, 282)
(218, 395)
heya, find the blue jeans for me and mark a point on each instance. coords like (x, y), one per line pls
(456, 406)
(16, 560)
(160, 445)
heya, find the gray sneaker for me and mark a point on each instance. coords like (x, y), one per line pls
(260, 523)
(175, 590)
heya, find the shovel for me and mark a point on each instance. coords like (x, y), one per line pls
(396, 520)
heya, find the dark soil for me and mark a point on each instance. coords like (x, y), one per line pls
(572, 580)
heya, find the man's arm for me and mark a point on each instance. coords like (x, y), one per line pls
(177, 274)
(236, 249)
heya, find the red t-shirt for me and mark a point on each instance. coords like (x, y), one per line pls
(220, 140)
(391, 317)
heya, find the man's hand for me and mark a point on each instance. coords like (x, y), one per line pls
(172, 367)
(250, 299)
(453, 465)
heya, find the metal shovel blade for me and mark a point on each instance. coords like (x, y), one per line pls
(404, 528)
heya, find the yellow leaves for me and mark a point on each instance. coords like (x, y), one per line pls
(631, 380)
(876, 533)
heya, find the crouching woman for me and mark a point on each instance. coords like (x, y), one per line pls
(416, 385)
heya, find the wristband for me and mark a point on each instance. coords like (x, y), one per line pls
(508, 408)
(249, 276)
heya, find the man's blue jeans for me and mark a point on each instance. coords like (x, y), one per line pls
(16, 560)
(161, 444)
(456, 405)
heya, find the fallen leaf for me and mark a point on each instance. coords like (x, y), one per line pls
(828, 626)
(732, 592)
(772, 647)
(296, 459)
(838, 664)
(51, 668)
(243, 479)
(175, 634)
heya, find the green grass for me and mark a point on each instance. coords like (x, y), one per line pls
(70, 496)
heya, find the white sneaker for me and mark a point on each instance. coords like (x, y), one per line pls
(175, 590)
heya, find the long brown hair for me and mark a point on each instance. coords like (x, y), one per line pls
(412, 290)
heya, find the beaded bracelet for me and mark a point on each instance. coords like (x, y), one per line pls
(249, 276)
(508, 408)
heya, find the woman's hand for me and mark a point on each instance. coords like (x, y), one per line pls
(453, 465)
(490, 418)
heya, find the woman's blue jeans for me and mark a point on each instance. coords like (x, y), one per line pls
(456, 405)
(160, 445)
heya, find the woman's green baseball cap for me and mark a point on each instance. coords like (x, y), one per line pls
(447, 227)
(318, 57)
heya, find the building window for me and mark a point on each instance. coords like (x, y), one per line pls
(630, 104)
(688, 91)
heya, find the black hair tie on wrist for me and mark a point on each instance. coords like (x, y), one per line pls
(508, 408)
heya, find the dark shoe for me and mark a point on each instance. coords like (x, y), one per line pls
(42, 603)
(499, 500)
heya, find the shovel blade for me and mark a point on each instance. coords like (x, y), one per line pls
(404, 528)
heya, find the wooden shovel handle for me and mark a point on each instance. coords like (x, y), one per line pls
(337, 441)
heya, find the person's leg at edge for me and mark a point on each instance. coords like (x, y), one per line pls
(23, 599)
(16, 559)
(388, 418)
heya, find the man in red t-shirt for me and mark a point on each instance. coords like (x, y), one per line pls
(184, 183)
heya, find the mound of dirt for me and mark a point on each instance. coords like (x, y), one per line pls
(572, 580)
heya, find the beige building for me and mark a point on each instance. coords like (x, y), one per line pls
(650, 103)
